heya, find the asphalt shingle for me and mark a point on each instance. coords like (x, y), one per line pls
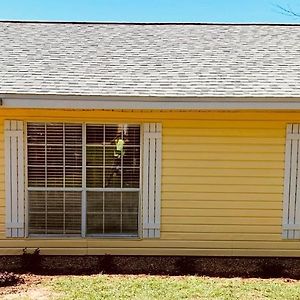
(180, 60)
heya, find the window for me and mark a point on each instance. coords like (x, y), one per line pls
(83, 179)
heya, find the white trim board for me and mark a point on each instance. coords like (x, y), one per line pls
(144, 103)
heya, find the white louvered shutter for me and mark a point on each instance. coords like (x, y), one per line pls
(14, 178)
(152, 179)
(291, 201)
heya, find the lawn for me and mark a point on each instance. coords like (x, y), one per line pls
(173, 288)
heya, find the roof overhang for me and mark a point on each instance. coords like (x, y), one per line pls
(148, 102)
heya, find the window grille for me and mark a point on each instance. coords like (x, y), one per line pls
(81, 173)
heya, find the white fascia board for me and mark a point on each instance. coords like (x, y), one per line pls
(161, 104)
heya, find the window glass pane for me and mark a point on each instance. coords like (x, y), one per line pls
(55, 155)
(55, 176)
(36, 154)
(37, 201)
(73, 202)
(131, 157)
(94, 212)
(55, 201)
(112, 132)
(130, 223)
(36, 176)
(112, 209)
(94, 156)
(112, 223)
(55, 223)
(94, 134)
(36, 133)
(131, 177)
(111, 158)
(122, 149)
(59, 212)
(73, 212)
(113, 177)
(94, 177)
(94, 224)
(73, 223)
(95, 202)
(37, 223)
(112, 202)
(130, 202)
(132, 135)
(54, 133)
(73, 177)
(73, 134)
(120, 158)
(73, 155)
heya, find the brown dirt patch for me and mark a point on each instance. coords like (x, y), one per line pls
(259, 267)
(30, 281)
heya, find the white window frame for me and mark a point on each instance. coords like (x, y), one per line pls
(83, 189)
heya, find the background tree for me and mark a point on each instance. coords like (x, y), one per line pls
(288, 11)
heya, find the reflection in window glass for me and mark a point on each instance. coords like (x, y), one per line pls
(117, 162)
(61, 170)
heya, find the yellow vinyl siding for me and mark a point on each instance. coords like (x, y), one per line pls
(222, 184)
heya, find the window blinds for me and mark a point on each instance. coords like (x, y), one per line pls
(54, 160)
(83, 179)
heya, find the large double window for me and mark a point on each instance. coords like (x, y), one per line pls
(83, 179)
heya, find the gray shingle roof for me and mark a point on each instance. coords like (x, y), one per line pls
(183, 60)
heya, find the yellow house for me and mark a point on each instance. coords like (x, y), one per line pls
(149, 139)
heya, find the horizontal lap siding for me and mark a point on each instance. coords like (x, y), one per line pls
(222, 185)
(231, 192)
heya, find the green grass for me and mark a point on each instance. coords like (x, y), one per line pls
(173, 288)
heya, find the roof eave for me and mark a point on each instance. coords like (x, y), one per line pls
(147, 102)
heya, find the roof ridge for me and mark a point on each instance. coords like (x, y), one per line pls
(145, 23)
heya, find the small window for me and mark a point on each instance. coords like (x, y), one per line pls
(83, 179)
